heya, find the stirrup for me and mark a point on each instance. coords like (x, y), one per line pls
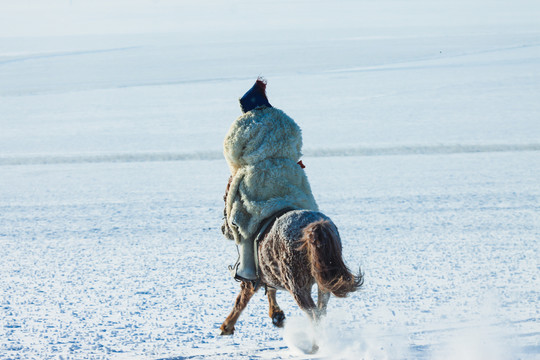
(233, 269)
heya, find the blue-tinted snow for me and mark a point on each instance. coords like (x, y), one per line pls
(421, 134)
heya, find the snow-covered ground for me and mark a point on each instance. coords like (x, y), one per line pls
(421, 126)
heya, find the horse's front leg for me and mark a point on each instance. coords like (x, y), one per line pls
(276, 314)
(246, 293)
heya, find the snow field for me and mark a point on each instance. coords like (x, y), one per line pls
(421, 139)
(125, 259)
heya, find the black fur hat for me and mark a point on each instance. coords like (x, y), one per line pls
(255, 97)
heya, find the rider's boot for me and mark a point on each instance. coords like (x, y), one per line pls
(246, 267)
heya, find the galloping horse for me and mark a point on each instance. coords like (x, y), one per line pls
(302, 248)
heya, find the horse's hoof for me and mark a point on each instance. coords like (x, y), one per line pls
(226, 330)
(314, 349)
(278, 319)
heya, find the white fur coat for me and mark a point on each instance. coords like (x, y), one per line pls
(262, 149)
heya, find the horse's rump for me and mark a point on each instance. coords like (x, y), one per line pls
(302, 248)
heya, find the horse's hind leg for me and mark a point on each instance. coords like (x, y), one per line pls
(246, 293)
(322, 302)
(305, 301)
(277, 315)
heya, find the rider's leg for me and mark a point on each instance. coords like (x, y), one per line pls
(246, 267)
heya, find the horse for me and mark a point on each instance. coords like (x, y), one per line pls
(301, 248)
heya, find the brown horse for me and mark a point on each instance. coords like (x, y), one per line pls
(302, 248)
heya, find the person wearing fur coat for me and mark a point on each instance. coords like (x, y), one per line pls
(262, 148)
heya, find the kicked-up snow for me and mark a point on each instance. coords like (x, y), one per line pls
(421, 139)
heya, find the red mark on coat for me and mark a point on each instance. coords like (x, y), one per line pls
(301, 164)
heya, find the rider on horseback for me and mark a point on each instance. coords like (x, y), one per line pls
(262, 149)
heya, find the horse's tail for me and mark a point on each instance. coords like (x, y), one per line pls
(321, 241)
